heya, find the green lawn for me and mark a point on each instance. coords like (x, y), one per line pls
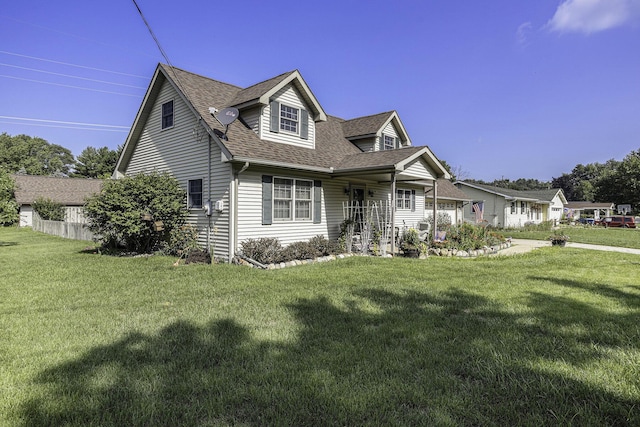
(621, 237)
(537, 339)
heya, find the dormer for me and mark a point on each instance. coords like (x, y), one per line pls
(378, 132)
(282, 109)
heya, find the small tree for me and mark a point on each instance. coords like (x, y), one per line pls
(8, 205)
(138, 212)
(48, 209)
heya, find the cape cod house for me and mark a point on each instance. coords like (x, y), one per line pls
(506, 208)
(283, 169)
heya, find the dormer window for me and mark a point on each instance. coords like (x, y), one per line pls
(289, 118)
(389, 142)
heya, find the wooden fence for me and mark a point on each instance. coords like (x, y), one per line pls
(68, 230)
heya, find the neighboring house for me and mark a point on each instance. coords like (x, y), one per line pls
(70, 192)
(577, 210)
(451, 201)
(284, 169)
(502, 207)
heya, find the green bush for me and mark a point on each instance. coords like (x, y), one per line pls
(182, 241)
(299, 250)
(8, 206)
(49, 210)
(323, 245)
(265, 250)
(468, 236)
(118, 213)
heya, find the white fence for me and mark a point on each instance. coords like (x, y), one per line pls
(68, 230)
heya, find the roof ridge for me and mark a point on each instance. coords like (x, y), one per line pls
(371, 115)
(169, 67)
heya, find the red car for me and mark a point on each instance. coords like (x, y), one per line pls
(618, 221)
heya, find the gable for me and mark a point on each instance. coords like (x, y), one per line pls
(271, 129)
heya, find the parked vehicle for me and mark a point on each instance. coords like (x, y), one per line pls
(618, 221)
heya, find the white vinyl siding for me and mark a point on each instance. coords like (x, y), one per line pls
(390, 131)
(290, 97)
(185, 156)
(250, 210)
(366, 144)
(418, 169)
(252, 118)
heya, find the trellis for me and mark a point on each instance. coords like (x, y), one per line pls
(367, 225)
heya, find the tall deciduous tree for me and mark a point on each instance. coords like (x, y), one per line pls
(34, 156)
(8, 206)
(622, 184)
(96, 162)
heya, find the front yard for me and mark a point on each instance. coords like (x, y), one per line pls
(536, 339)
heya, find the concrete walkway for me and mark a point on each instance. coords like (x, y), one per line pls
(520, 246)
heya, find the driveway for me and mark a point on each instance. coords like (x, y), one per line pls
(520, 246)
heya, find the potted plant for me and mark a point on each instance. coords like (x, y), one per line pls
(558, 238)
(410, 243)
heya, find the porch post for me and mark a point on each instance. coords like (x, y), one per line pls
(393, 213)
(435, 209)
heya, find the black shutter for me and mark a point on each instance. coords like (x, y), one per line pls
(275, 116)
(317, 202)
(267, 201)
(304, 124)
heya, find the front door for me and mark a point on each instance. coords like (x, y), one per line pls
(357, 201)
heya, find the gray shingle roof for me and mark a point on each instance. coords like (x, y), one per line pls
(332, 149)
(448, 191)
(545, 195)
(367, 125)
(68, 191)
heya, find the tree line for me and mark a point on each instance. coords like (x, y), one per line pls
(614, 181)
(36, 156)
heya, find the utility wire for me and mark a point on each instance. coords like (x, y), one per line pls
(70, 86)
(62, 122)
(164, 54)
(73, 65)
(70, 76)
(63, 127)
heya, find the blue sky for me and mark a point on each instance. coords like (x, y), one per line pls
(497, 89)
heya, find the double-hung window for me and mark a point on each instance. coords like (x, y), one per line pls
(389, 142)
(195, 193)
(289, 118)
(167, 115)
(292, 199)
(513, 207)
(403, 199)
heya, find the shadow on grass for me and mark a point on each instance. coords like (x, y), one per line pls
(8, 244)
(381, 358)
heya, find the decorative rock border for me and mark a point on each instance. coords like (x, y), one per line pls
(432, 252)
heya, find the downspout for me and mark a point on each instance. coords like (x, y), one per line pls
(233, 212)
(209, 197)
(393, 213)
(435, 209)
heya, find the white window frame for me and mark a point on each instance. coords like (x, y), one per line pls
(291, 199)
(163, 115)
(403, 202)
(388, 146)
(289, 119)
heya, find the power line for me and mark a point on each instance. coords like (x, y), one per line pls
(70, 86)
(62, 122)
(70, 76)
(73, 65)
(63, 127)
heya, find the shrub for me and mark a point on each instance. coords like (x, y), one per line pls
(8, 206)
(116, 213)
(182, 240)
(48, 209)
(299, 250)
(265, 250)
(468, 236)
(323, 246)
